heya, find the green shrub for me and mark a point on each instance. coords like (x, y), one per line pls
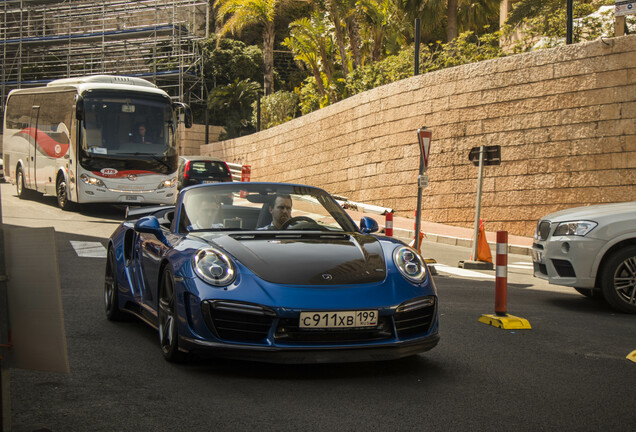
(277, 108)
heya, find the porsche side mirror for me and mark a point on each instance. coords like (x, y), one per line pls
(368, 225)
(150, 225)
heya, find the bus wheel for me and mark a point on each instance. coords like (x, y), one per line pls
(62, 197)
(19, 184)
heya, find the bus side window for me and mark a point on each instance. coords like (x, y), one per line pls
(56, 114)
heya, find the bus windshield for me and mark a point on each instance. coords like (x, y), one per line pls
(128, 131)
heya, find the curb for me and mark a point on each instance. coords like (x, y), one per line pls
(408, 235)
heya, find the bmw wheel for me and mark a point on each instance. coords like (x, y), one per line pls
(618, 279)
(168, 332)
(111, 289)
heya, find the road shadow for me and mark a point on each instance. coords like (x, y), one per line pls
(111, 212)
(207, 366)
(582, 304)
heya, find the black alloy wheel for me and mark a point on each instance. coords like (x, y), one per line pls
(111, 288)
(168, 334)
(618, 280)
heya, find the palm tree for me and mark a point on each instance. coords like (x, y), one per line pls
(336, 10)
(312, 44)
(455, 15)
(239, 14)
(384, 23)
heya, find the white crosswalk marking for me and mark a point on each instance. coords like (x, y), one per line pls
(89, 249)
(462, 272)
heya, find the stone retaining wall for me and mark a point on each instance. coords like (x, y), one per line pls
(565, 119)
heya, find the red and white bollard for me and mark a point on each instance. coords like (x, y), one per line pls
(501, 274)
(388, 225)
(501, 318)
(246, 173)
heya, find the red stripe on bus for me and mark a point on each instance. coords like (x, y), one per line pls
(45, 143)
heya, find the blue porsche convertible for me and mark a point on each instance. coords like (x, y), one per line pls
(269, 272)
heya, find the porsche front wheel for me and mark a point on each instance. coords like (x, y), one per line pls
(111, 291)
(168, 332)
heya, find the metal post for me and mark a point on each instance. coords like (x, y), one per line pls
(480, 180)
(5, 340)
(417, 46)
(418, 211)
(258, 112)
(570, 17)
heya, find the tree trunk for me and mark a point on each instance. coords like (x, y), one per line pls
(337, 24)
(268, 58)
(451, 27)
(353, 30)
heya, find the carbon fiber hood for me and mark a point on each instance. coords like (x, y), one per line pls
(308, 259)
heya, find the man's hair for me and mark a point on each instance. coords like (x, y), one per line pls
(283, 196)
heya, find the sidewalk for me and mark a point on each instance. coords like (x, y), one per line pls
(404, 229)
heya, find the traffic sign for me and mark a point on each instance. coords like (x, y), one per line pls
(424, 136)
(492, 155)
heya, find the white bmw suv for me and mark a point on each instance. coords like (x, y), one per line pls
(592, 249)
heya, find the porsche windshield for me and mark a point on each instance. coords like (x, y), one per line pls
(128, 131)
(259, 206)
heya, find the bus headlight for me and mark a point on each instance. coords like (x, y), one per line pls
(92, 181)
(167, 184)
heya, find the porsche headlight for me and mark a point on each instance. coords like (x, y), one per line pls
(410, 264)
(576, 228)
(214, 267)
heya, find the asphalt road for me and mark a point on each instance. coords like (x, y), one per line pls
(568, 373)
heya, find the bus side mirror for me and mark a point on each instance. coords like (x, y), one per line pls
(79, 108)
(187, 113)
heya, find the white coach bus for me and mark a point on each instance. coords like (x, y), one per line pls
(101, 138)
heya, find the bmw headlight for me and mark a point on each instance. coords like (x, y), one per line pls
(167, 184)
(92, 181)
(410, 264)
(214, 267)
(576, 228)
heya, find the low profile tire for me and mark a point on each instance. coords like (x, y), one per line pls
(618, 280)
(62, 197)
(111, 289)
(168, 325)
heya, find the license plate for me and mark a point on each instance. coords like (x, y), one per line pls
(132, 197)
(537, 256)
(209, 181)
(338, 319)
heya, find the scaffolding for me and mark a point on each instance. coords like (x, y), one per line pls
(154, 39)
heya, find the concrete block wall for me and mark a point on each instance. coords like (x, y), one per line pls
(192, 139)
(565, 119)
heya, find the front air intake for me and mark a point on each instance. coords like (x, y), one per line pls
(414, 318)
(239, 322)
